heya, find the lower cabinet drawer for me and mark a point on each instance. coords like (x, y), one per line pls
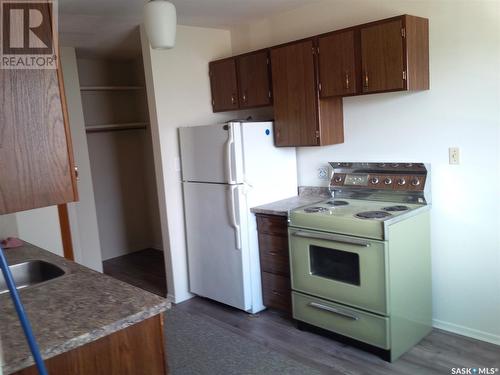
(361, 326)
(274, 254)
(276, 292)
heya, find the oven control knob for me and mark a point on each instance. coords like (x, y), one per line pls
(374, 180)
(401, 182)
(338, 179)
(415, 182)
(388, 181)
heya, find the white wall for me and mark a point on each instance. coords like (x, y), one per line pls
(118, 162)
(8, 226)
(179, 95)
(82, 214)
(461, 109)
(41, 227)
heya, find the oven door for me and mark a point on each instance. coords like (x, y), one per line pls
(343, 269)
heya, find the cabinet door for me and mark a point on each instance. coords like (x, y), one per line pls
(224, 85)
(337, 64)
(254, 80)
(382, 57)
(36, 160)
(295, 95)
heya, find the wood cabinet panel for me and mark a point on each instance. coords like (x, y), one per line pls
(295, 95)
(36, 158)
(224, 85)
(274, 256)
(277, 292)
(417, 49)
(337, 64)
(254, 80)
(383, 57)
(272, 224)
(275, 262)
(137, 350)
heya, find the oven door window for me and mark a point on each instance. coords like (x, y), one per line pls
(334, 264)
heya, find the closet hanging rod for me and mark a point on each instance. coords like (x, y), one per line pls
(111, 88)
(116, 127)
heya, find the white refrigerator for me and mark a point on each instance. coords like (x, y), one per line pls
(226, 170)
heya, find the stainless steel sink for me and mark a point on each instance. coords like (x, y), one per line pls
(31, 273)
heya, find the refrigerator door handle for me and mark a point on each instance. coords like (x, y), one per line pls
(232, 217)
(229, 155)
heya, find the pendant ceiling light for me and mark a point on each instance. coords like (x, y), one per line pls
(160, 22)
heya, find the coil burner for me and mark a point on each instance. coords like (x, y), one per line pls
(337, 203)
(396, 208)
(373, 215)
(314, 209)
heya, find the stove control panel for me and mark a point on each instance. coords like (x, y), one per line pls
(396, 182)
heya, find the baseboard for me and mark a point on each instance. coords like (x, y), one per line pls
(170, 298)
(176, 299)
(465, 331)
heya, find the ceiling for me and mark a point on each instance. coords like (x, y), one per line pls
(109, 27)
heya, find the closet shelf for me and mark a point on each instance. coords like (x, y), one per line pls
(115, 127)
(111, 88)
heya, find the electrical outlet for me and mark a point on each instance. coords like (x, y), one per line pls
(454, 155)
(323, 173)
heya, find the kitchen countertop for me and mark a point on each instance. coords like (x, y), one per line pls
(70, 311)
(307, 195)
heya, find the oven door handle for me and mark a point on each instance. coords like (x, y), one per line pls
(334, 311)
(331, 237)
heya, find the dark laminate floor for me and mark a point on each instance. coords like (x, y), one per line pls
(437, 354)
(144, 269)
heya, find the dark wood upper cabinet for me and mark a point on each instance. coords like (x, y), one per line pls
(301, 118)
(382, 57)
(295, 95)
(254, 80)
(310, 76)
(36, 158)
(395, 55)
(338, 64)
(224, 85)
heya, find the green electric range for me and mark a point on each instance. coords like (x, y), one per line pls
(361, 261)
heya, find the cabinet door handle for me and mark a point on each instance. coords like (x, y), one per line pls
(245, 96)
(277, 293)
(233, 99)
(347, 82)
(367, 80)
(77, 174)
(273, 253)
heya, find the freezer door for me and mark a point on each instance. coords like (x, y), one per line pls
(270, 172)
(212, 153)
(217, 252)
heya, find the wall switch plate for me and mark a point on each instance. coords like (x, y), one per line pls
(323, 173)
(454, 155)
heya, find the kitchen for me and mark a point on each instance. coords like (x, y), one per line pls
(458, 110)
